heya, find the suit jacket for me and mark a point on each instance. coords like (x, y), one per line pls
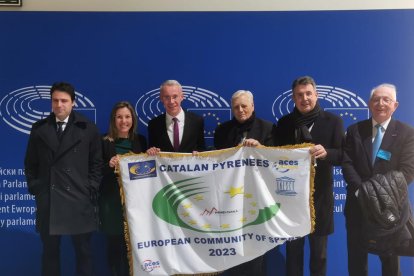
(111, 212)
(193, 135)
(64, 176)
(226, 133)
(357, 165)
(329, 132)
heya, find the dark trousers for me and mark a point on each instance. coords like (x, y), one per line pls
(117, 254)
(51, 254)
(255, 267)
(358, 256)
(317, 262)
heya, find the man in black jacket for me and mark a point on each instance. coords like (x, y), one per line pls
(248, 130)
(63, 170)
(361, 162)
(309, 123)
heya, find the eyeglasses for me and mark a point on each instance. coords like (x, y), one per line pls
(386, 100)
(169, 98)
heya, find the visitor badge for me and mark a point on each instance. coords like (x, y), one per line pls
(383, 154)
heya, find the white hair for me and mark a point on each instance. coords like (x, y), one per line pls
(239, 93)
(388, 85)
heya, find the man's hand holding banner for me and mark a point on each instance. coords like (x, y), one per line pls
(197, 214)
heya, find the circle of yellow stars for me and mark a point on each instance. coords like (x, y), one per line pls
(215, 117)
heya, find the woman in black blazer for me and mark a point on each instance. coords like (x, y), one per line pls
(120, 139)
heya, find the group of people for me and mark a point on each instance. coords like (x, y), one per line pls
(71, 170)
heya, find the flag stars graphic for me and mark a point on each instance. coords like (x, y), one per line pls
(192, 222)
(248, 195)
(215, 118)
(185, 214)
(225, 226)
(254, 204)
(199, 197)
(252, 212)
(188, 206)
(207, 226)
(346, 114)
(243, 220)
(235, 191)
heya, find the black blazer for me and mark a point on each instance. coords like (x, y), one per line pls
(327, 131)
(109, 181)
(193, 135)
(226, 133)
(357, 162)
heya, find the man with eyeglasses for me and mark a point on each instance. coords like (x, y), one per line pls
(375, 146)
(175, 130)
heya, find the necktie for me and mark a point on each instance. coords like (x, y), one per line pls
(377, 142)
(176, 135)
(60, 130)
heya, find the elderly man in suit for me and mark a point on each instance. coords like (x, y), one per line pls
(63, 170)
(247, 130)
(175, 130)
(309, 123)
(363, 159)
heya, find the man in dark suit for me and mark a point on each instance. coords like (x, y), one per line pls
(63, 170)
(162, 130)
(309, 123)
(361, 162)
(248, 130)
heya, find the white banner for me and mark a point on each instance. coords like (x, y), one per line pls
(199, 214)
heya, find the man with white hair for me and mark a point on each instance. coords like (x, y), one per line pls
(378, 145)
(247, 130)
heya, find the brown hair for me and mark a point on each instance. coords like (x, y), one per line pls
(113, 132)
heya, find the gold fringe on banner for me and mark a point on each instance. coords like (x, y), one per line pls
(312, 179)
(208, 154)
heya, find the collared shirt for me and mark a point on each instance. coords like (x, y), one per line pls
(384, 125)
(65, 122)
(170, 125)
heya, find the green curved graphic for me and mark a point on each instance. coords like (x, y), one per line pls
(166, 202)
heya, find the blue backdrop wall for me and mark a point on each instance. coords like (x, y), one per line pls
(125, 56)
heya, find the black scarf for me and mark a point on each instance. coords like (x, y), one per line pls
(242, 128)
(303, 122)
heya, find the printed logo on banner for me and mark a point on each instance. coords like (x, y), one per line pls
(285, 164)
(144, 169)
(149, 265)
(346, 104)
(175, 204)
(285, 186)
(21, 108)
(211, 106)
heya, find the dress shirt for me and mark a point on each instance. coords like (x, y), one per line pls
(170, 125)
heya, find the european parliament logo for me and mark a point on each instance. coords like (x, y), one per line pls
(21, 108)
(346, 104)
(208, 104)
(144, 169)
